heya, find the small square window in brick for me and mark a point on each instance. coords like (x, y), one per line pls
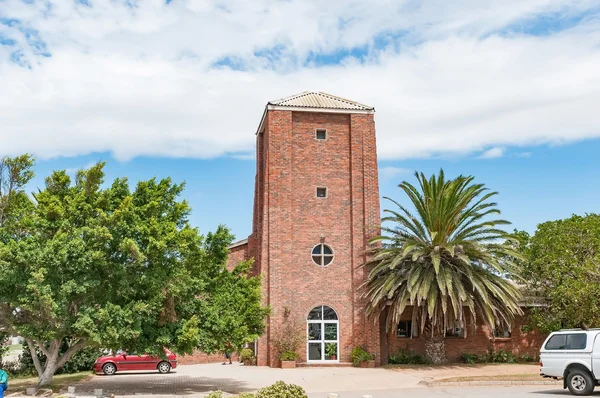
(321, 134)
(321, 192)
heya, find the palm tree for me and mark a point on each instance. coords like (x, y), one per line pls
(446, 264)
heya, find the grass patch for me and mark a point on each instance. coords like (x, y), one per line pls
(15, 347)
(59, 382)
(513, 377)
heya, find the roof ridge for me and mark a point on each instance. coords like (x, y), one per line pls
(319, 99)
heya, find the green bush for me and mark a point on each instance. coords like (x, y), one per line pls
(215, 394)
(281, 390)
(246, 354)
(359, 355)
(526, 358)
(246, 395)
(469, 358)
(501, 357)
(289, 356)
(406, 357)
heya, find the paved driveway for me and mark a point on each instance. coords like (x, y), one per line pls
(464, 392)
(193, 379)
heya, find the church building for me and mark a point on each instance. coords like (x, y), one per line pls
(316, 205)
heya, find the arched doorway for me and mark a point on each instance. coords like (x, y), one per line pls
(323, 335)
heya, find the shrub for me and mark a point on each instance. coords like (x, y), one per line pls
(526, 358)
(359, 355)
(469, 358)
(502, 357)
(290, 337)
(406, 357)
(289, 356)
(215, 394)
(246, 395)
(246, 354)
(281, 390)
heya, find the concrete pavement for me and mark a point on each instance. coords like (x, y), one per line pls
(463, 392)
(193, 379)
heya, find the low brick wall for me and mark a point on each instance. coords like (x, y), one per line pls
(201, 357)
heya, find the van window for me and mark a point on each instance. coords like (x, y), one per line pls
(576, 341)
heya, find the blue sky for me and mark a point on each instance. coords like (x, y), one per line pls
(507, 91)
(545, 183)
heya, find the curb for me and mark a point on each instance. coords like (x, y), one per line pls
(491, 383)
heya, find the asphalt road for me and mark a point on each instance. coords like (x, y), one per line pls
(463, 392)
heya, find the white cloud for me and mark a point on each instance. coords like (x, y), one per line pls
(524, 154)
(492, 153)
(390, 173)
(142, 81)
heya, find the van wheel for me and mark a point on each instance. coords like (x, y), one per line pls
(580, 382)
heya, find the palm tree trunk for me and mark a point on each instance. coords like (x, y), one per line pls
(435, 348)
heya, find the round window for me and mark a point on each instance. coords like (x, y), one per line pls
(322, 254)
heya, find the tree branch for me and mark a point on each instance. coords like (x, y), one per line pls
(44, 350)
(36, 360)
(72, 350)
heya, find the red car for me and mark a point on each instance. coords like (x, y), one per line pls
(110, 364)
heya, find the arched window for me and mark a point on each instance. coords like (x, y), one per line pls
(322, 254)
(323, 335)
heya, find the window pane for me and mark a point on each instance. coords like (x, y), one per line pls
(331, 351)
(318, 260)
(327, 260)
(331, 331)
(321, 134)
(321, 192)
(576, 341)
(327, 249)
(317, 249)
(557, 342)
(314, 351)
(314, 331)
(316, 313)
(329, 314)
(404, 328)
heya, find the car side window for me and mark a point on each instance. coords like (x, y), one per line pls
(557, 342)
(575, 341)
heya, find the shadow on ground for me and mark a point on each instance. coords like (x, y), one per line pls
(172, 383)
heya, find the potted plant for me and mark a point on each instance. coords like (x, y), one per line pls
(247, 357)
(287, 340)
(331, 351)
(360, 357)
(288, 359)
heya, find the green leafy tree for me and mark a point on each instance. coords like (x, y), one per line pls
(110, 267)
(563, 267)
(444, 263)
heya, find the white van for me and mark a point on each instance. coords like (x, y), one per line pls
(574, 356)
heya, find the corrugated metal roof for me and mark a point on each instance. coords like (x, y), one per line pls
(311, 99)
(238, 243)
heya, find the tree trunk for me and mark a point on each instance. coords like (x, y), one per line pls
(49, 370)
(435, 349)
(51, 365)
(53, 361)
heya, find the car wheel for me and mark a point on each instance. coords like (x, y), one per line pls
(164, 367)
(580, 382)
(109, 369)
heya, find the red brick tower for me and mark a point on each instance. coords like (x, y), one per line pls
(316, 205)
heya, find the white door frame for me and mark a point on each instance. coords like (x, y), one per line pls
(323, 342)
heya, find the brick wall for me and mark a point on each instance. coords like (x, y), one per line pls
(289, 220)
(479, 340)
(237, 254)
(200, 357)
